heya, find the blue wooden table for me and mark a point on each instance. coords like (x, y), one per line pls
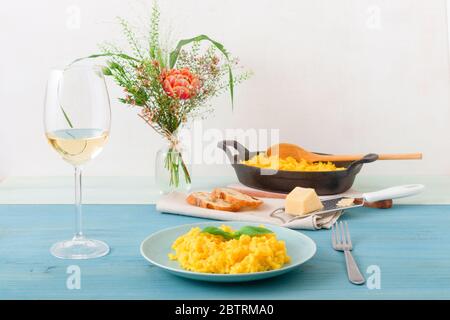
(409, 244)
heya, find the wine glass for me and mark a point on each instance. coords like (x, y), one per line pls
(77, 120)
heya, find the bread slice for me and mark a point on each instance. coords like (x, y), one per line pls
(205, 200)
(236, 198)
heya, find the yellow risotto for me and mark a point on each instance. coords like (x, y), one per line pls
(204, 252)
(289, 164)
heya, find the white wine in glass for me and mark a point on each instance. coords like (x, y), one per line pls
(77, 146)
(77, 121)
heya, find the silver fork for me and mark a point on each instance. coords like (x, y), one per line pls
(342, 242)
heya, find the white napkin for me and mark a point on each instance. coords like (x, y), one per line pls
(175, 203)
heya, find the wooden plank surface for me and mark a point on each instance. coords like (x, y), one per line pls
(410, 245)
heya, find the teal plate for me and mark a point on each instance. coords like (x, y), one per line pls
(157, 246)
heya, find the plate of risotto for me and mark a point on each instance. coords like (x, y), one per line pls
(228, 251)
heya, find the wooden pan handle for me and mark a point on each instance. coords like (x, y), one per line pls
(400, 156)
(354, 157)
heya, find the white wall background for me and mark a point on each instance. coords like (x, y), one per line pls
(334, 76)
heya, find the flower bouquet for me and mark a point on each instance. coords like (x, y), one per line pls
(170, 86)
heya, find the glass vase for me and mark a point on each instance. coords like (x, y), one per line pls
(172, 172)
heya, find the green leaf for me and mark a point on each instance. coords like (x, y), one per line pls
(154, 31)
(231, 82)
(247, 230)
(252, 231)
(106, 71)
(218, 232)
(115, 66)
(173, 57)
(110, 54)
(66, 117)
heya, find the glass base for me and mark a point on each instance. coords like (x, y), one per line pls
(79, 248)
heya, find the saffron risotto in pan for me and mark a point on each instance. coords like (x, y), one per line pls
(212, 253)
(289, 164)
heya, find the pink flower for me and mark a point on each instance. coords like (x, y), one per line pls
(180, 83)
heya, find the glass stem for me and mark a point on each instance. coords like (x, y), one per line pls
(78, 209)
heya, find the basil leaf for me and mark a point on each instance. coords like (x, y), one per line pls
(247, 230)
(252, 231)
(218, 232)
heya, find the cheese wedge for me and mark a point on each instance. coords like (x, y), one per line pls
(301, 201)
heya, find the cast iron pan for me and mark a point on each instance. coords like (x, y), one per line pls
(324, 182)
